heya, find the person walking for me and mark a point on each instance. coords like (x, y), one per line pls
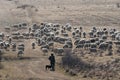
(52, 62)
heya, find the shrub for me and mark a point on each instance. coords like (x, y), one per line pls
(118, 5)
(1, 53)
(74, 63)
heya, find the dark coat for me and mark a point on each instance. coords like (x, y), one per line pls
(52, 59)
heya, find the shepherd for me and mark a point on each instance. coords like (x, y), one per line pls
(52, 62)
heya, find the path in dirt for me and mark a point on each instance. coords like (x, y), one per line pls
(33, 65)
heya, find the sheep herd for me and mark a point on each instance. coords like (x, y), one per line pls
(56, 38)
(48, 35)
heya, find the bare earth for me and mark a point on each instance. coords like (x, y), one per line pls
(86, 13)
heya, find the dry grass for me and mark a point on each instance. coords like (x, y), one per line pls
(87, 13)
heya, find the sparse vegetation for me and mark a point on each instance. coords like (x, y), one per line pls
(1, 53)
(24, 6)
(73, 64)
(118, 5)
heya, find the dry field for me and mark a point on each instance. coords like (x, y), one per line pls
(85, 13)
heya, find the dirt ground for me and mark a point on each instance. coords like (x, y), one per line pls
(85, 13)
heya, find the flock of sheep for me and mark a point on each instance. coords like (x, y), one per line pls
(46, 35)
(56, 38)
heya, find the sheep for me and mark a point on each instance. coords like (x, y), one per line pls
(101, 40)
(98, 33)
(1, 45)
(45, 46)
(63, 31)
(113, 36)
(111, 32)
(103, 46)
(10, 40)
(49, 39)
(13, 46)
(21, 37)
(7, 28)
(56, 32)
(58, 51)
(94, 29)
(68, 44)
(93, 45)
(86, 45)
(93, 49)
(68, 27)
(47, 34)
(84, 34)
(20, 52)
(42, 42)
(101, 33)
(32, 30)
(91, 34)
(81, 29)
(23, 27)
(15, 37)
(104, 37)
(106, 32)
(33, 45)
(77, 36)
(62, 40)
(16, 33)
(35, 26)
(48, 24)
(53, 29)
(44, 50)
(117, 32)
(31, 34)
(93, 40)
(109, 47)
(15, 26)
(56, 38)
(21, 46)
(65, 34)
(51, 45)
(1, 40)
(82, 41)
(2, 35)
(6, 45)
(87, 41)
(26, 35)
(117, 43)
(65, 46)
(117, 36)
(79, 45)
(56, 25)
(80, 34)
(24, 24)
(73, 34)
(76, 41)
(109, 42)
(77, 31)
(52, 34)
(46, 29)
